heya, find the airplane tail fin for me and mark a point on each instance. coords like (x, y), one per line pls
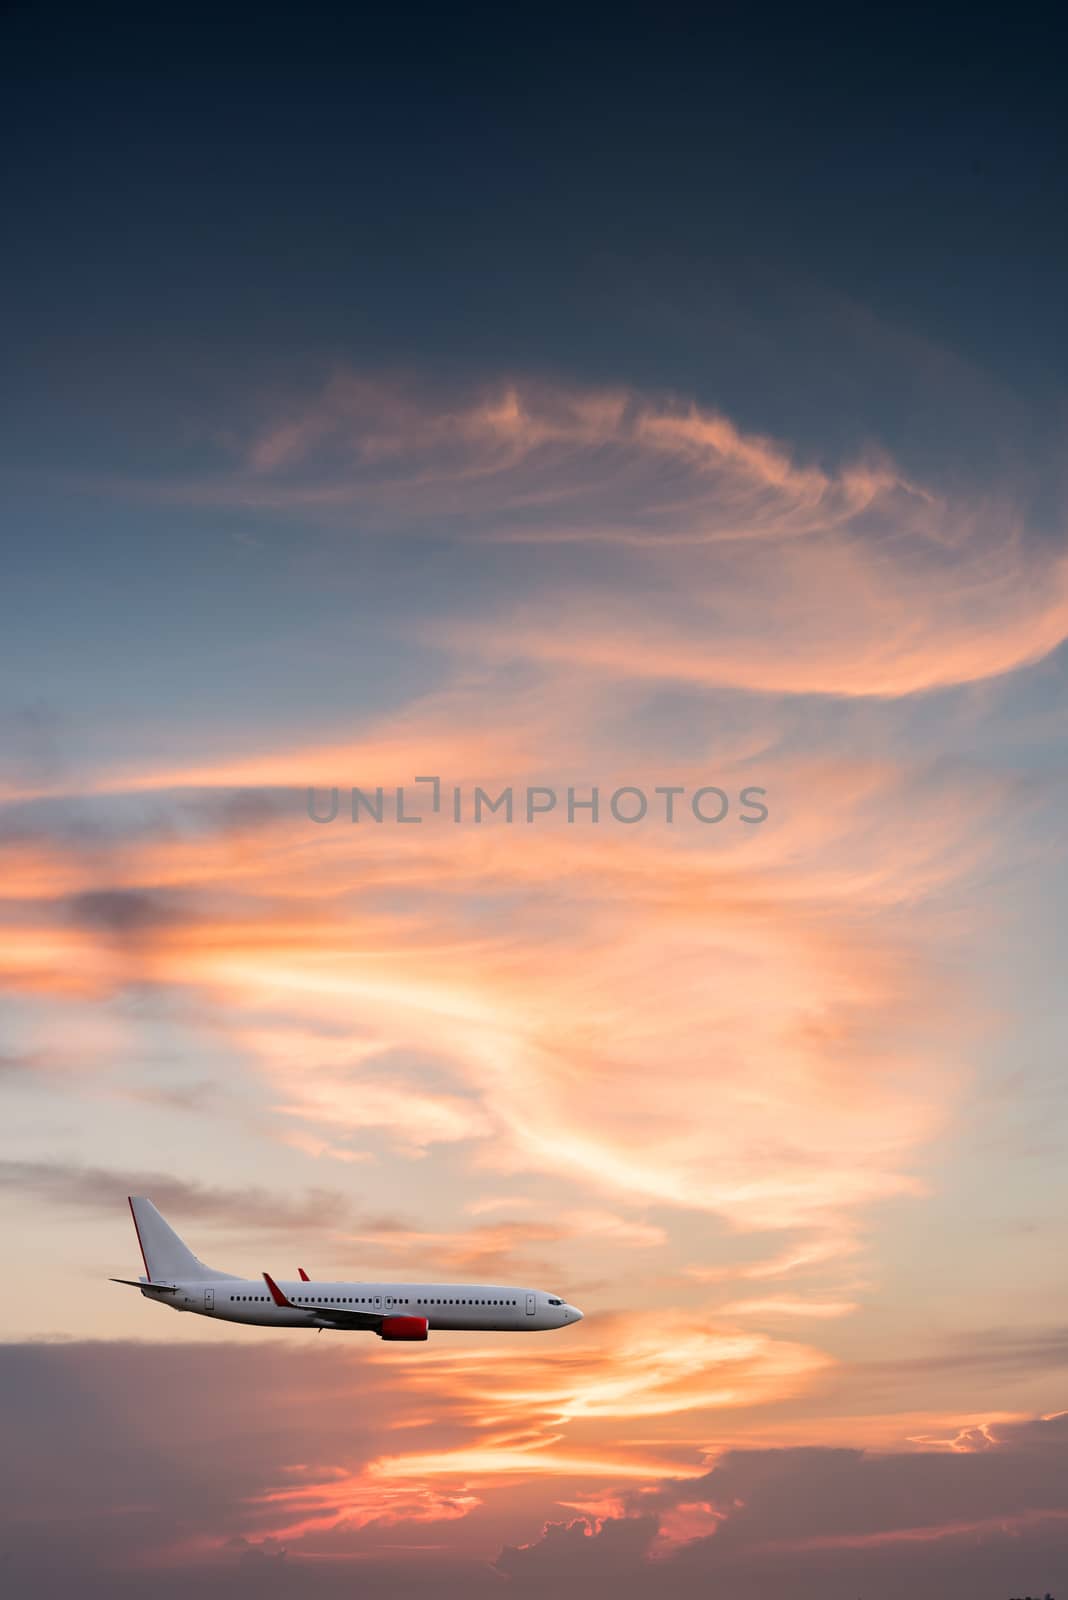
(166, 1257)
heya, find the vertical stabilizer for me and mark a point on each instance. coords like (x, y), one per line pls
(167, 1259)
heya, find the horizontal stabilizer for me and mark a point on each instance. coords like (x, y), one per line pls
(142, 1283)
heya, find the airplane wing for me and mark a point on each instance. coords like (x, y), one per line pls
(334, 1317)
(327, 1316)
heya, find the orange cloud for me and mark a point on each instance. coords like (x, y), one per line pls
(789, 1306)
(720, 559)
(727, 1040)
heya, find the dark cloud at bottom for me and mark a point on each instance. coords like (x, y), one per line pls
(988, 1518)
(133, 1469)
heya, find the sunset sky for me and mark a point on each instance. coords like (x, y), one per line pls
(643, 402)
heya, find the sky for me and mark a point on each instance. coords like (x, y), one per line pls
(661, 407)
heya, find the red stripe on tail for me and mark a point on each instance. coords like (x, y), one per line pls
(137, 1230)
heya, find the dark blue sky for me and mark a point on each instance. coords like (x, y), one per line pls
(842, 234)
(749, 207)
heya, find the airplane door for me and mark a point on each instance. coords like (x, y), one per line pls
(209, 1299)
(530, 1305)
(378, 1302)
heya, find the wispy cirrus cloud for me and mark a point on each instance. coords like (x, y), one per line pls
(400, 982)
(699, 553)
(98, 1189)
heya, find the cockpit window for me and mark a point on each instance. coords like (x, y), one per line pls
(553, 1302)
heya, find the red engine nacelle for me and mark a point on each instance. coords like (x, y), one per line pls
(404, 1328)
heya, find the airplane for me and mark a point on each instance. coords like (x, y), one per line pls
(175, 1277)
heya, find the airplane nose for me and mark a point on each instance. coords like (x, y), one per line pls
(576, 1313)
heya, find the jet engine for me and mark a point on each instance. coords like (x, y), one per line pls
(404, 1328)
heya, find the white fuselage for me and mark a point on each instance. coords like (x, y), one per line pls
(473, 1306)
